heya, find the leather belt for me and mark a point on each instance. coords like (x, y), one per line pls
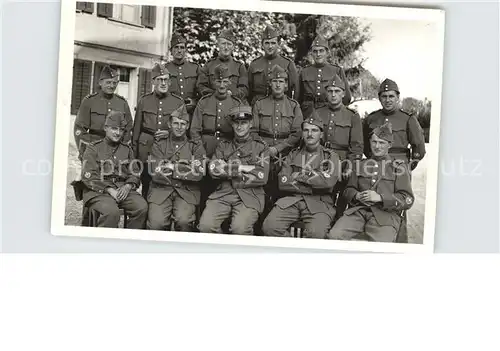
(216, 133)
(402, 150)
(148, 131)
(274, 135)
(99, 132)
(333, 146)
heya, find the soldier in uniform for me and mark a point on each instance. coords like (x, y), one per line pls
(183, 74)
(242, 166)
(151, 119)
(238, 74)
(313, 79)
(259, 72)
(111, 174)
(343, 133)
(308, 176)
(277, 119)
(405, 128)
(178, 166)
(92, 113)
(378, 191)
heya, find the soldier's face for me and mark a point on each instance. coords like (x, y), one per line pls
(311, 134)
(389, 100)
(225, 47)
(270, 46)
(379, 147)
(108, 85)
(221, 85)
(319, 54)
(162, 83)
(114, 133)
(179, 51)
(242, 128)
(178, 126)
(278, 86)
(334, 95)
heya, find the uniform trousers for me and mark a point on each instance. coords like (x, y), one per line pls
(174, 208)
(216, 211)
(134, 206)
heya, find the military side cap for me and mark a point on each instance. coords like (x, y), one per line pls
(177, 39)
(314, 119)
(336, 82)
(159, 69)
(320, 41)
(384, 132)
(278, 72)
(181, 113)
(269, 33)
(240, 113)
(387, 85)
(107, 72)
(221, 71)
(227, 34)
(115, 119)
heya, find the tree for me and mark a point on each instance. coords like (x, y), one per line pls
(421, 110)
(366, 86)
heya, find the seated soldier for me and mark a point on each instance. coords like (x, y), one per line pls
(111, 175)
(242, 165)
(309, 175)
(178, 167)
(377, 191)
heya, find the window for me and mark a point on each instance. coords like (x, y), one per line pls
(127, 13)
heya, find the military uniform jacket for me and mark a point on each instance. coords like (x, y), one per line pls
(390, 179)
(248, 186)
(312, 84)
(278, 122)
(89, 122)
(342, 131)
(318, 173)
(405, 128)
(238, 76)
(210, 120)
(106, 165)
(184, 77)
(259, 73)
(188, 159)
(152, 114)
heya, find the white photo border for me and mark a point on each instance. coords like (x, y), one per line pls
(62, 127)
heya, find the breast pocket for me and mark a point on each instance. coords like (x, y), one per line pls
(265, 122)
(189, 83)
(286, 123)
(209, 121)
(259, 78)
(149, 116)
(97, 118)
(342, 132)
(386, 185)
(399, 134)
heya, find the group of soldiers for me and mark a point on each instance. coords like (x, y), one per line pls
(222, 148)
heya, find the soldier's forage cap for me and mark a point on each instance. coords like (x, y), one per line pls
(313, 119)
(278, 72)
(336, 82)
(384, 132)
(228, 35)
(221, 71)
(181, 113)
(387, 85)
(177, 39)
(107, 72)
(159, 69)
(320, 41)
(269, 33)
(241, 113)
(115, 119)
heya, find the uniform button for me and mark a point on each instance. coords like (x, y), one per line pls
(218, 125)
(319, 70)
(180, 67)
(176, 146)
(330, 128)
(276, 125)
(319, 81)
(331, 122)
(109, 109)
(161, 102)
(219, 110)
(182, 87)
(373, 180)
(220, 103)
(277, 111)
(375, 173)
(159, 109)
(318, 87)
(159, 122)
(319, 94)
(182, 93)
(180, 80)
(277, 118)
(319, 75)
(376, 165)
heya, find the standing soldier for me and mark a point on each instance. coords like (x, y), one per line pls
(405, 128)
(242, 165)
(111, 175)
(92, 113)
(342, 133)
(309, 175)
(178, 165)
(259, 72)
(183, 74)
(151, 119)
(238, 74)
(313, 79)
(277, 119)
(378, 191)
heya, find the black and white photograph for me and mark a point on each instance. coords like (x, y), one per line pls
(265, 123)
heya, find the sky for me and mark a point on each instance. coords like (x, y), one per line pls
(406, 52)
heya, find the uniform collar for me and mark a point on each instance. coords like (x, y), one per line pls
(225, 59)
(219, 97)
(179, 63)
(388, 113)
(334, 108)
(242, 141)
(161, 95)
(106, 96)
(110, 142)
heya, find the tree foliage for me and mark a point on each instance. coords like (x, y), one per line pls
(421, 109)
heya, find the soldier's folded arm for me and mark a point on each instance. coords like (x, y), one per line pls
(218, 168)
(157, 162)
(260, 174)
(91, 174)
(326, 179)
(402, 198)
(191, 170)
(286, 181)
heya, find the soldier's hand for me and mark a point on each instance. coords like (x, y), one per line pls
(113, 192)
(345, 175)
(123, 192)
(413, 164)
(161, 134)
(273, 151)
(229, 92)
(295, 175)
(370, 196)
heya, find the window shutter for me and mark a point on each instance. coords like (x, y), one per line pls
(144, 81)
(85, 6)
(81, 5)
(104, 10)
(81, 83)
(148, 16)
